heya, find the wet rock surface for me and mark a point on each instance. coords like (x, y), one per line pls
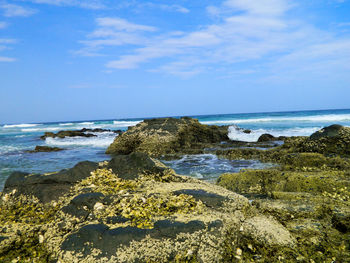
(45, 149)
(85, 132)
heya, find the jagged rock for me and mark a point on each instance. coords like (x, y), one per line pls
(131, 166)
(46, 149)
(167, 136)
(48, 187)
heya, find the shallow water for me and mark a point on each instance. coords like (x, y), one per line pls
(209, 167)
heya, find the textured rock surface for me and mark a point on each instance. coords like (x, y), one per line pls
(45, 149)
(143, 214)
(167, 136)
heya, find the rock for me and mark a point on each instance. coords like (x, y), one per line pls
(130, 167)
(341, 222)
(209, 199)
(247, 131)
(167, 136)
(81, 205)
(48, 187)
(267, 231)
(63, 134)
(99, 236)
(45, 149)
(267, 137)
(331, 140)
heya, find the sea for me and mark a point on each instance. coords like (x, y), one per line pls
(17, 139)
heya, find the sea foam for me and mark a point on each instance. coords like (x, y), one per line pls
(330, 118)
(238, 135)
(102, 140)
(24, 125)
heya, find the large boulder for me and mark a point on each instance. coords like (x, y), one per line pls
(166, 136)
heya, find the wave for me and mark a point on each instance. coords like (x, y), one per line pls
(101, 141)
(86, 123)
(237, 135)
(66, 124)
(315, 118)
(125, 123)
(8, 126)
(41, 129)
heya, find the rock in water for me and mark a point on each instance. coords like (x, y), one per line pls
(45, 149)
(167, 136)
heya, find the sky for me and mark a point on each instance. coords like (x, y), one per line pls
(98, 59)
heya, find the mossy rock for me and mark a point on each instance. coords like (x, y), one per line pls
(161, 136)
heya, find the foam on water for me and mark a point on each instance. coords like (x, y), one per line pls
(237, 135)
(10, 126)
(66, 124)
(103, 140)
(125, 123)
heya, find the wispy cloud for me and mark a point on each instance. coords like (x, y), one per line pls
(114, 32)
(11, 10)
(165, 7)
(7, 59)
(245, 31)
(4, 44)
(89, 4)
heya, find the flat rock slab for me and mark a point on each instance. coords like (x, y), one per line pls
(209, 199)
(101, 237)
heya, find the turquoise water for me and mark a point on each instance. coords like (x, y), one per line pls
(15, 139)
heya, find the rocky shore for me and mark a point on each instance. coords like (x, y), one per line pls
(135, 209)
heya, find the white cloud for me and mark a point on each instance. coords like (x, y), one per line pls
(11, 10)
(123, 25)
(245, 32)
(4, 44)
(174, 7)
(7, 59)
(89, 4)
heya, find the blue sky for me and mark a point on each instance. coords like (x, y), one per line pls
(96, 59)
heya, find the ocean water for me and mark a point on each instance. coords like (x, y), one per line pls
(16, 139)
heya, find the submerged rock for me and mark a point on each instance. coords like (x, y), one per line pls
(167, 136)
(46, 149)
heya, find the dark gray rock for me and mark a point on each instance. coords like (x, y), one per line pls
(267, 138)
(116, 219)
(48, 187)
(45, 149)
(81, 205)
(169, 229)
(130, 166)
(99, 236)
(209, 199)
